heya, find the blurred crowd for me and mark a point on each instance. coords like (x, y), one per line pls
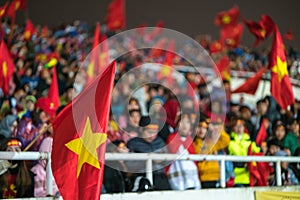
(149, 120)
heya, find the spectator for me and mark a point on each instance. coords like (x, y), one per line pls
(147, 143)
(287, 175)
(296, 166)
(205, 143)
(238, 146)
(8, 125)
(17, 181)
(182, 174)
(40, 171)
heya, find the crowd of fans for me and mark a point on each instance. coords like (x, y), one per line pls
(155, 121)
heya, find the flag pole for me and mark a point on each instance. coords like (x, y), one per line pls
(37, 137)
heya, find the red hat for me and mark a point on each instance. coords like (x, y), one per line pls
(46, 105)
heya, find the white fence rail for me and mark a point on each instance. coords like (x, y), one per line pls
(149, 157)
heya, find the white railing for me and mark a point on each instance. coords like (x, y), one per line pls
(149, 157)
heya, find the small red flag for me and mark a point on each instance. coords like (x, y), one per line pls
(115, 18)
(231, 35)
(229, 17)
(3, 10)
(165, 70)
(7, 68)
(281, 88)
(29, 30)
(288, 35)
(224, 68)
(14, 6)
(79, 140)
(262, 133)
(250, 85)
(262, 29)
(53, 93)
(216, 47)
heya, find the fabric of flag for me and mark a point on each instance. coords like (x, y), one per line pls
(262, 29)
(53, 93)
(29, 30)
(288, 35)
(156, 31)
(94, 58)
(262, 134)
(7, 68)
(229, 17)
(14, 6)
(231, 35)
(281, 88)
(79, 140)
(216, 47)
(250, 85)
(224, 68)
(115, 19)
(259, 171)
(166, 70)
(3, 10)
(44, 32)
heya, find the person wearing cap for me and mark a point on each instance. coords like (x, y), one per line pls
(29, 106)
(206, 143)
(238, 146)
(149, 142)
(17, 181)
(182, 174)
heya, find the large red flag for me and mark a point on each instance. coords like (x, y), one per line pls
(231, 35)
(7, 68)
(262, 29)
(115, 18)
(79, 140)
(281, 88)
(250, 86)
(229, 17)
(29, 30)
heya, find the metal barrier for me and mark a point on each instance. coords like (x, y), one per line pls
(149, 157)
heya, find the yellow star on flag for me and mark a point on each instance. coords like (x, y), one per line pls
(263, 33)
(4, 68)
(86, 147)
(226, 19)
(280, 68)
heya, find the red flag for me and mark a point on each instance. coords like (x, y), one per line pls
(14, 6)
(115, 18)
(165, 70)
(216, 47)
(281, 88)
(29, 30)
(229, 17)
(53, 93)
(288, 35)
(157, 30)
(231, 35)
(262, 29)
(3, 10)
(224, 68)
(44, 31)
(262, 134)
(79, 140)
(94, 58)
(250, 85)
(7, 68)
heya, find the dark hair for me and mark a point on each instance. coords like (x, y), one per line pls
(24, 181)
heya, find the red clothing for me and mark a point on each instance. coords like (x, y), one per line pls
(11, 190)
